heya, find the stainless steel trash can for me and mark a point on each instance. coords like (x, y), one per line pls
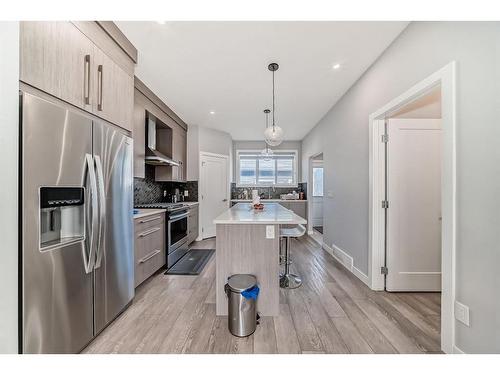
(242, 314)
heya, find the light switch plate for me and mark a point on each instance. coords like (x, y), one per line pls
(269, 231)
(462, 313)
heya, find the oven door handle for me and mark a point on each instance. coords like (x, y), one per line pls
(178, 217)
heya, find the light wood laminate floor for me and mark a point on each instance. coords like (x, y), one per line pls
(332, 312)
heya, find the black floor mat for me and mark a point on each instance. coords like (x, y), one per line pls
(192, 263)
(318, 229)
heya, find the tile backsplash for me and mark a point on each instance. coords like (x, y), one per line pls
(147, 190)
(237, 192)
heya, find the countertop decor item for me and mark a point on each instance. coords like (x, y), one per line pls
(273, 134)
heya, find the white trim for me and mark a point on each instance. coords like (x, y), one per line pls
(446, 77)
(295, 182)
(361, 275)
(457, 350)
(204, 154)
(346, 260)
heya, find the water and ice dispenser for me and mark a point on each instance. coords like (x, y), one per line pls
(62, 216)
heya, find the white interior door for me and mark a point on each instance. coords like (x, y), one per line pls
(214, 191)
(413, 255)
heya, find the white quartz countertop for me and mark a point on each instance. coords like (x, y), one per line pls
(273, 213)
(270, 200)
(147, 212)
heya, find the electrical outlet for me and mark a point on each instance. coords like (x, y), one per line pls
(269, 231)
(462, 313)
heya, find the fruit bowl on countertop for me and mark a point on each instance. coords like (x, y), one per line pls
(257, 207)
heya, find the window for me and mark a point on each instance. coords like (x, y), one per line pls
(318, 182)
(254, 170)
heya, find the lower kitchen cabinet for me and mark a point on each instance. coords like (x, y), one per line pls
(149, 245)
(193, 218)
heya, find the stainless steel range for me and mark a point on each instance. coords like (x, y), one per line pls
(176, 228)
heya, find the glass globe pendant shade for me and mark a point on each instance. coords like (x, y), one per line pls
(273, 136)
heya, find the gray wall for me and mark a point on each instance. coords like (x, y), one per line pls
(200, 138)
(423, 48)
(259, 145)
(9, 132)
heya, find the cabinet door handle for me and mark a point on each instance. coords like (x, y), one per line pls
(148, 232)
(148, 257)
(150, 219)
(99, 89)
(86, 80)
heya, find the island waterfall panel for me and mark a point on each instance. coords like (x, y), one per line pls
(244, 249)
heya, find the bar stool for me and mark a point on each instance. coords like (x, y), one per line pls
(289, 280)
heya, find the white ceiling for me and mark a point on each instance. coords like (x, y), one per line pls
(199, 67)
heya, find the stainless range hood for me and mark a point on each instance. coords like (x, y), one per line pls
(153, 156)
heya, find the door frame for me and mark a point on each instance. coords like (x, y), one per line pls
(446, 77)
(201, 185)
(309, 193)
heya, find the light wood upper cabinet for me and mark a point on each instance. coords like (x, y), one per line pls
(179, 151)
(113, 91)
(61, 60)
(139, 134)
(56, 58)
(172, 142)
(171, 134)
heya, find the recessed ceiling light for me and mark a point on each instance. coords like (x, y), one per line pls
(212, 112)
(161, 22)
(336, 66)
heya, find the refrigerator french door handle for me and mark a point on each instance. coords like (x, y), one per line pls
(89, 257)
(102, 210)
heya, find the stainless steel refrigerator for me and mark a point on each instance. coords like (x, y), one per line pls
(76, 258)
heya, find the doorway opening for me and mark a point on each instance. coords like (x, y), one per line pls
(412, 206)
(317, 194)
(316, 213)
(412, 202)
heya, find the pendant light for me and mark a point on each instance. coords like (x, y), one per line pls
(273, 134)
(267, 153)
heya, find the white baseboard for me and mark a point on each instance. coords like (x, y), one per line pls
(347, 261)
(360, 275)
(340, 255)
(457, 350)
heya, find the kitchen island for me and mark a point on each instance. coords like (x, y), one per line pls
(248, 242)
